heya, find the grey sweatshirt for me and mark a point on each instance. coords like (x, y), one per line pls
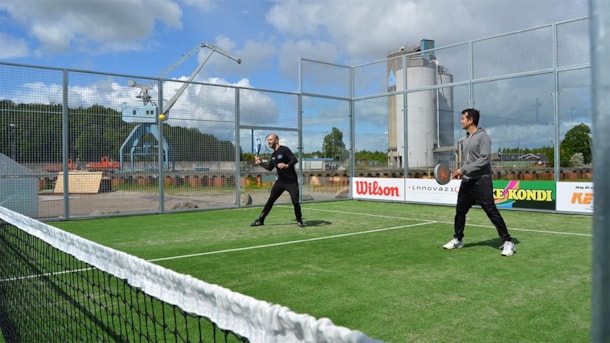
(477, 154)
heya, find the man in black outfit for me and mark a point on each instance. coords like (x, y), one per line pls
(284, 161)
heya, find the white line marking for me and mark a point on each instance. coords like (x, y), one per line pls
(45, 274)
(424, 222)
(538, 231)
(366, 214)
(451, 223)
(292, 242)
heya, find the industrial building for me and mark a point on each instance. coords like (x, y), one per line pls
(429, 113)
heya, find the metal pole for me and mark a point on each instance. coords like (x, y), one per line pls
(237, 161)
(160, 155)
(437, 81)
(13, 141)
(64, 144)
(600, 78)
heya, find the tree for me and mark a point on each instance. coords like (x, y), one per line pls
(576, 140)
(333, 145)
(377, 158)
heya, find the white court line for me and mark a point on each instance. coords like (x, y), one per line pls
(424, 222)
(362, 214)
(291, 242)
(451, 223)
(45, 274)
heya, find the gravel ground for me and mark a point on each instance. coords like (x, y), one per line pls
(51, 205)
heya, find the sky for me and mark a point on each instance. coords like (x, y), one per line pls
(144, 37)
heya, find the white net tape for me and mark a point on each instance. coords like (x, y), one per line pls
(257, 320)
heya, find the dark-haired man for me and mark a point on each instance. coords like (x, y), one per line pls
(476, 186)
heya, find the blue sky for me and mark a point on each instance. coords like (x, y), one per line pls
(144, 37)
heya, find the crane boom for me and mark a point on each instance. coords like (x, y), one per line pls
(146, 98)
(180, 61)
(181, 90)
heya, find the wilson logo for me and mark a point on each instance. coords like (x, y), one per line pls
(373, 188)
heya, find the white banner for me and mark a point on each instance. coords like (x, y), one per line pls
(378, 188)
(429, 191)
(575, 197)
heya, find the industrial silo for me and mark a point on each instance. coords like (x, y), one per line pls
(429, 112)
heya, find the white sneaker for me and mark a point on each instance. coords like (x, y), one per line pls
(453, 244)
(508, 248)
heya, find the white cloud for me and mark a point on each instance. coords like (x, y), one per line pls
(291, 51)
(367, 30)
(277, 32)
(13, 47)
(346, 32)
(256, 56)
(203, 5)
(92, 25)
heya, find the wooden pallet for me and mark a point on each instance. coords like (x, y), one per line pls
(80, 182)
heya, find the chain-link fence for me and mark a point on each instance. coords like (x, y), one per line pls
(82, 143)
(532, 87)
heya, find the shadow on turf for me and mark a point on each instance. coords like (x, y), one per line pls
(316, 222)
(307, 223)
(495, 243)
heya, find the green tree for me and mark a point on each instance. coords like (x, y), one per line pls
(576, 140)
(549, 154)
(377, 158)
(334, 147)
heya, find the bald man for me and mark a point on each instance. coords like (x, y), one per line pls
(283, 160)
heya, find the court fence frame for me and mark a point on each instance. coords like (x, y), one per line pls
(69, 127)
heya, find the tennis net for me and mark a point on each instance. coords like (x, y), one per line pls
(58, 287)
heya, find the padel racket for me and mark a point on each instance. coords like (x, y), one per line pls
(258, 147)
(442, 174)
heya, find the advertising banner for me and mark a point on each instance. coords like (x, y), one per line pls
(535, 195)
(378, 188)
(575, 197)
(539, 195)
(429, 191)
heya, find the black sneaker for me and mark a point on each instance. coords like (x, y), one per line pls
(257, 222)
(300, 224)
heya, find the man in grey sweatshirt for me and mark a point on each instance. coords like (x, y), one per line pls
(476, 186)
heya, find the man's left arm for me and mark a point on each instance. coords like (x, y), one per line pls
(292, 160)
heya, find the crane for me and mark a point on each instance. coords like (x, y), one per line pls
(147, 115)
(173, 100)
(149, 112)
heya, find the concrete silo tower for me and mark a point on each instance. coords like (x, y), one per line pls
(430, 123)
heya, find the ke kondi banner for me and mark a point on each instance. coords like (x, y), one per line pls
(430, 192)
(538, 195)
(575, 197)
(378, 189)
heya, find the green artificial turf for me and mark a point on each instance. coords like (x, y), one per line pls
(379, 267)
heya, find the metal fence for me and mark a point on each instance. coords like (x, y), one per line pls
(79, 143)
(532, 87)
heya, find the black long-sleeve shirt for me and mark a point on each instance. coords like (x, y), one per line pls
(283, 155)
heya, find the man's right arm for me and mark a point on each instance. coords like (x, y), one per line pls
(259, 161)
